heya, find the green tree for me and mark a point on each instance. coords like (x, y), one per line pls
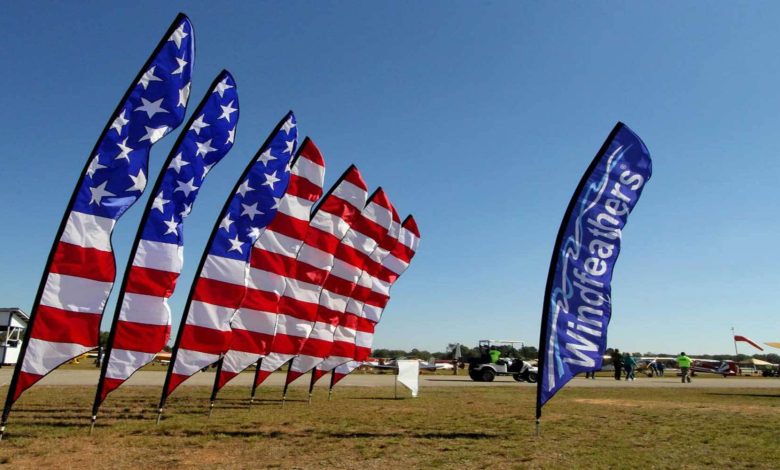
(103, 339)
(381, 353)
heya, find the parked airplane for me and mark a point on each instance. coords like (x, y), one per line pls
(392, 364)
(707, 366)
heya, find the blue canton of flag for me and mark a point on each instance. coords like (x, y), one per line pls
(116, 176)
(208, 139)
(254, 204)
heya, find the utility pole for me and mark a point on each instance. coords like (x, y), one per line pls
(455, 349)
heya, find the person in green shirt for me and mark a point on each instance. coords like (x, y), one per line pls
(495, 355)
(684, 363)
(629, 364)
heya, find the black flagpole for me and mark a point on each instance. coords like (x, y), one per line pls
(543, 339)
(9, 401)
(137, 242)
(203, 257)
(254, 381)
(311, 383)
(332, 383)
(215, 388)
(286, 384)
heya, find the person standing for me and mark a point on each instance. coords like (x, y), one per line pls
(629, 363)
(684, 363)
(659, 366)
(617, 361)
(653, 368)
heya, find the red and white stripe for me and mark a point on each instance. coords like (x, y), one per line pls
(206, 331)
(299, 303)
(143, 326)
(68, 317)
(370, 229)
(273, 257)
(393, 265)
(343, 348)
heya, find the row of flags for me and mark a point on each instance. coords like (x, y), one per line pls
(288, 274)
(79, 275)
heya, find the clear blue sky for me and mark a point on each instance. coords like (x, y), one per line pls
(478, 118)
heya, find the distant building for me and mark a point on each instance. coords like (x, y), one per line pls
(13, 322)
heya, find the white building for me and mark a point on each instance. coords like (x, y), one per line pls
(13, 322)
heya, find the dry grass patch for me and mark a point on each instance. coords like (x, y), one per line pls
(365, 428)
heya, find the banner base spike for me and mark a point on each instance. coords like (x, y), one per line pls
(211, 407)
(159, 415)
(310, 398)
(330, 393)
(92, 424)
(538, 427)
(251, 402)
(284, 398)
(2, 431)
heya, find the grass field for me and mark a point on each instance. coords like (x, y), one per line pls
(365, 428)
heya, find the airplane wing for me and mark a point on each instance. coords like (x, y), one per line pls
(394, 365)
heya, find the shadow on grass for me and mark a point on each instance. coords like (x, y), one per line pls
(32, 410)
(373, 398)
(413, 435)
(40, 424)
(216, 432)
(334, 435)
(243, 401)
(245, 406)
(755, 395)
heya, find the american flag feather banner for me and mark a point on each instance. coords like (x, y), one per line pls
(297, 309)
(221, 278)
(273, 256)
(343, 347)
(369, 229)
(142, 320)
(79, 275)
(393, 265)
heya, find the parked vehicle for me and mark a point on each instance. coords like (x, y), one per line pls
(773, 372)
(487, 366)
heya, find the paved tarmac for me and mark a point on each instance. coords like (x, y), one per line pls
(440, 379)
